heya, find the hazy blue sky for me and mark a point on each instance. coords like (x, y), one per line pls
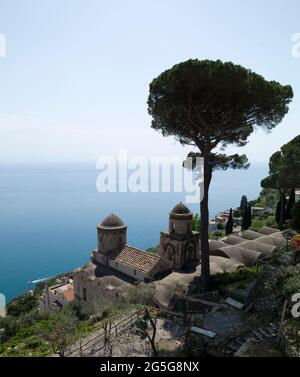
(75, 80)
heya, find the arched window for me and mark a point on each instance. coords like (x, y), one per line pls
(84, 294)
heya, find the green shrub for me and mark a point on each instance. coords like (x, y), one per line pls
(257, 223)
(34, 342)
(291, 286)
(241, 285)
(260, 221)
(22, 304)
(217, 234)
(270, 221)
(241, 274)
(11, 326)
(196, 223)
(38, 334)
(24, 332)
(220, 226)
(285, 281)
(153, 250)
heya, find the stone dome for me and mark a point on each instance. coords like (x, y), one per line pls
(112, 221)
(181, 209)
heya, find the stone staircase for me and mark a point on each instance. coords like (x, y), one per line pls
(239, 344)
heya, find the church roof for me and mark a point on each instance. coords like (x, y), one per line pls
(112, 221)
(141, 260)
(181, 209)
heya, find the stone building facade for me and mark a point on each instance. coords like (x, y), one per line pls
(114, 267)
(56, 297)
(180, 244)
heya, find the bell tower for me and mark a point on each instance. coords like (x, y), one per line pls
(180, 244)
(111, 234)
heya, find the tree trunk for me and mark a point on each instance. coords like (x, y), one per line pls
(282, 209)
(152, 338)
(204, 244)
(282, 213)
(153, 346)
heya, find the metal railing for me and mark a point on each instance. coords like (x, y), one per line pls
(99, 342)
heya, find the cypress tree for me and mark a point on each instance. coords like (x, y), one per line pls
(290, 205)
(249, 217)
(243, 205)
(229, 225)
(247, 220)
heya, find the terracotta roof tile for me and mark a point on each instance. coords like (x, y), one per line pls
(69, 295)
(141, 260)
(64, 290)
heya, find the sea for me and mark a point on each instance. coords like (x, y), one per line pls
(49, 213)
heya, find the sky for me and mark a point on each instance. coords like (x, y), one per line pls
(75, 79)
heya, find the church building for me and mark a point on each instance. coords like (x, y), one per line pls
(115, 266)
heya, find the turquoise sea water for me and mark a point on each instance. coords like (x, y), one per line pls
(49, 213)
